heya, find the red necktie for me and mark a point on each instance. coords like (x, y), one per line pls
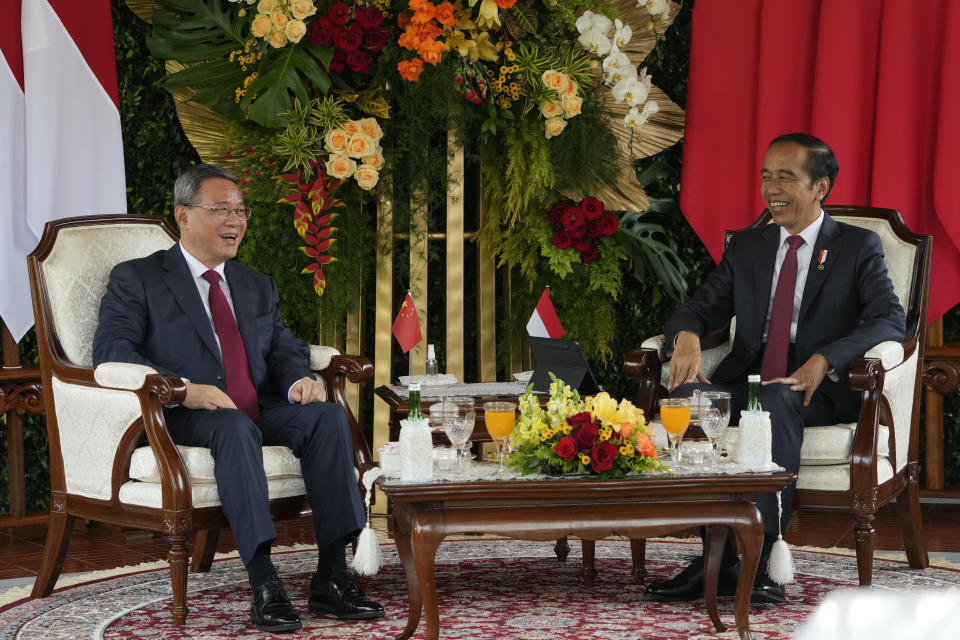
(235, 364)
(778, 335)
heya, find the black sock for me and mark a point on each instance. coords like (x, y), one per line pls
(331, 558)
(260, 569)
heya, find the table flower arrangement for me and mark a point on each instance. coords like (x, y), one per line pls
(595, 435)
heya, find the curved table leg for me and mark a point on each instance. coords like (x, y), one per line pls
(401, 532)
(750, 533)
(429, 533)
(713, 550)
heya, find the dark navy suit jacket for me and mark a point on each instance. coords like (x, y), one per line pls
(152, 314)
(847, 307)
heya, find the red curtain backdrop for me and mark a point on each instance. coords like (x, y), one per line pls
(878, 80)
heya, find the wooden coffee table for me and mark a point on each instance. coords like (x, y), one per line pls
(547, 509)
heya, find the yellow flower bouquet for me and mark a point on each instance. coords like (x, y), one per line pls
(596, 435)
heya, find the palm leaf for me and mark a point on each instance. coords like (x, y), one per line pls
(651, 257)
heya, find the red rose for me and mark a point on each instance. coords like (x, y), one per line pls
(565, 448)
(376, 39)
(594, 229)
(601, 458)
(586, 436)
(339, 57)
(360, 61)
(556, 211)
(573, 218)
(581, 243)
(590, 254)
(561, 240)
(609, 223)
(578, 419)
(592, 208)
(349, 39)
(322, 32)
(339, 13)
(368, 17)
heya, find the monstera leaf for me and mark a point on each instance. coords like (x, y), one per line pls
(201, 34)
(270, 96)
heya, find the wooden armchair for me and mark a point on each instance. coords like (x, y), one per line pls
(97, 418)
(856, 467)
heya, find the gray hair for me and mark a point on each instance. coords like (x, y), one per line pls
(188, 183)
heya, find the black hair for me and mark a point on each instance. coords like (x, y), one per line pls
(821, 161)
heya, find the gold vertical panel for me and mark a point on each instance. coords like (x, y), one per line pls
(454, 255)
(516, 350)
(486, 307)
(384, 317)
(419, 244)
(354, 345)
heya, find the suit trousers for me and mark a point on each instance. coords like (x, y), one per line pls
(319, 436)
(832, 403)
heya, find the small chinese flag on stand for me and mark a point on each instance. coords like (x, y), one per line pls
(544, 322)
(406, 327)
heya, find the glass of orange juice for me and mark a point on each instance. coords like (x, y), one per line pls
(675, 416)
(499, 418)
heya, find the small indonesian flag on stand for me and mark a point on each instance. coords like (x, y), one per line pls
(544, 322)
(406, 327)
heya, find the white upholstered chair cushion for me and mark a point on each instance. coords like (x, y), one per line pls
(278, 462)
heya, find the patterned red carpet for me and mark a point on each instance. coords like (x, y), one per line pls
(487, 589)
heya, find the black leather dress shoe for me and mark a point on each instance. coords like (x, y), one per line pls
(342, 596)
(688, 584)
(271, 610)
(766, 591)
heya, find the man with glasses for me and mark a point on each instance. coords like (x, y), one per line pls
(191, 312)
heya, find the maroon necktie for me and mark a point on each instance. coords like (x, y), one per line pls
(778, 335)
(235, 365)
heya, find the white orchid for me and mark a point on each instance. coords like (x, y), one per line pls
(636, 118)
(616, 66)
(595, 42)
(622, 34)
(631, 90)
(656, 8)
(591, 21)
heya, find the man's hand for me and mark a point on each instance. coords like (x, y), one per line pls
(307, 390)
(686, 365)
(807, 378)
(206, 396)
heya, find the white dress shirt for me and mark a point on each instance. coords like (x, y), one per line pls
(804, 255)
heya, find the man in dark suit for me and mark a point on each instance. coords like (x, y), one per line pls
(835, 301)
(191, 312)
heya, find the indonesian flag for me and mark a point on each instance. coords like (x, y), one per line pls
(544, 322)
(406, 327)
(61, 152)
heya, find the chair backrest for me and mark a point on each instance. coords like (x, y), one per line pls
(70, 268)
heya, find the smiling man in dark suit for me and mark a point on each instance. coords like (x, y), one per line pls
(810, 295)
(191, 312)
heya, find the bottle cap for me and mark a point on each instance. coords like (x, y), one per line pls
(753, 377)
(413, 386)
(430, 352)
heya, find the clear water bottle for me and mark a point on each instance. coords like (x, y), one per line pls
(416, 442)
(433, 367)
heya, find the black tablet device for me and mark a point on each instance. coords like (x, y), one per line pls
(564, 359)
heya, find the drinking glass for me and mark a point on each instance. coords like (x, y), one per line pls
(499, 418)
(458, 425)
(719, 403)
(675, 416)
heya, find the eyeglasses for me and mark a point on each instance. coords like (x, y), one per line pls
(223, 213)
